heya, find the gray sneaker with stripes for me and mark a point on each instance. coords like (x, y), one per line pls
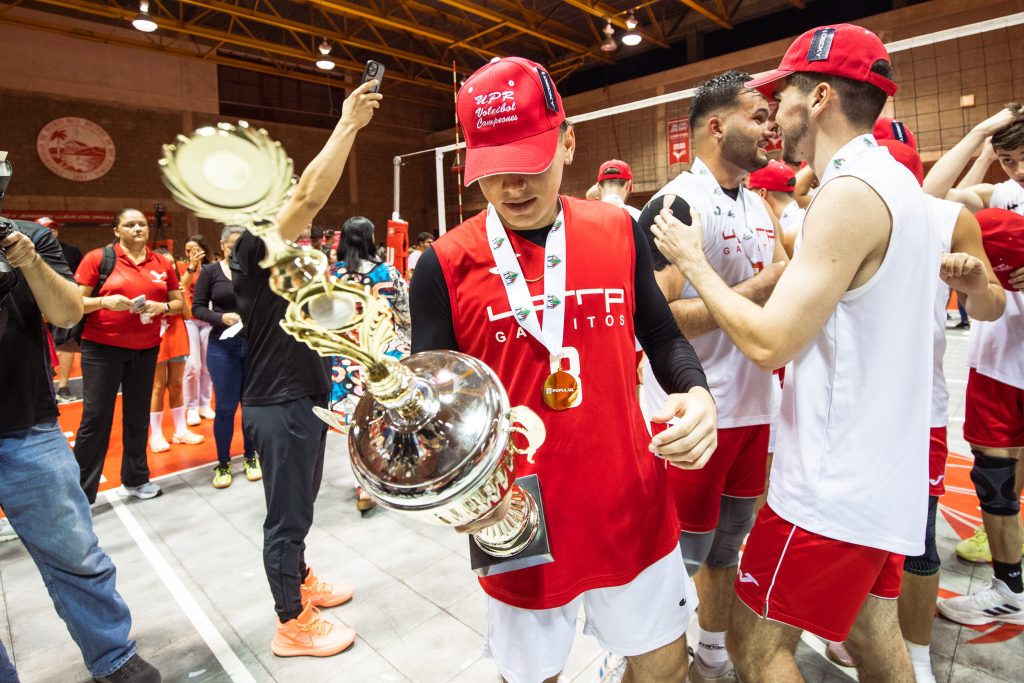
(994, 603)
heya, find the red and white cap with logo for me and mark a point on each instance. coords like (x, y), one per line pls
(510, 113)
(775, 177)
(47, 222)
(1002, 235)
(891, 129)
(614, 169)
(840, 50)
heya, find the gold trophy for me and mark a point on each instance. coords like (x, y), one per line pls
(434, 436)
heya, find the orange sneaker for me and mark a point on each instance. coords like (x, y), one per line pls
(311, 635)
(322, 594)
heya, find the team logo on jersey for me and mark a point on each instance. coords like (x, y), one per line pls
(522, 314)
(553, 261)
(871, 143)
(718, 211)
(553, 302)
(557, 226)
(702, 171)
(158, 278)
(838, 163)
(731, 214)
(497, 242)
(717, 190)
(746, 577)
(509, 277)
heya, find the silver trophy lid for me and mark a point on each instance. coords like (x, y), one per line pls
(449, 446)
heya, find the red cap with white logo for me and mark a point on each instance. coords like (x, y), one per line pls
(47, 222)
(1002, 235)
(891, 129)
(775, 177)
(614, 169)
(840, 50)
(510, 113)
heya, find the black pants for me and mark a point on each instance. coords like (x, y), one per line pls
(290, 440)
(104, 369)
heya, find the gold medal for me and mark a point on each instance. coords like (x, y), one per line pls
(561, 390)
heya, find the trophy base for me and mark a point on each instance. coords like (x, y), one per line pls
(536, 553)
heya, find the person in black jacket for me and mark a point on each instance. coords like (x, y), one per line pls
(227, 358)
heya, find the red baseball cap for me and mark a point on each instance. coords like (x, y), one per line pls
(891, 129)
(775, 177)
(510, 113)
(906, 155)
(1002, 235)
(839, 50)
(47, 222)
(614, 169)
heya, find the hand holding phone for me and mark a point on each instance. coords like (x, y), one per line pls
(138, 303)
(374, 71)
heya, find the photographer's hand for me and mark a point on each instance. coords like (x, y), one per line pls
(58, 299)
(20, 251)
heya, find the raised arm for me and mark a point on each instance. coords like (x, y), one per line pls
(968, 271)
(55, 292)
(324, 171)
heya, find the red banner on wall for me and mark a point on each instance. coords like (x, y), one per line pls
(679, 141)
(79, 217)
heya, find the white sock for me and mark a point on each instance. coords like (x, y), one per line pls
(180, 426)
(921, 658)
(156, 424)
(711, 649)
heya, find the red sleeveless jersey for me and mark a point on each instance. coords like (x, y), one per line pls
(609, 511)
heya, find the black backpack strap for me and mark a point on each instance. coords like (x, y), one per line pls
(106, 267)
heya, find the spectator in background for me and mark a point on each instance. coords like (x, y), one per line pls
(615, 182)
(197, 384)
(67, 351)
(323, 240)
(119, 349)
(214, 303)
(423, 240)
(170, 371)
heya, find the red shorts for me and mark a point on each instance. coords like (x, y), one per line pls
(994, 416)
(937, 452)
(736, 469)
(811, 582)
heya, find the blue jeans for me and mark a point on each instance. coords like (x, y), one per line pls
(40, 494)
(228, 362)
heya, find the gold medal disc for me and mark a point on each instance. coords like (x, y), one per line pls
(561, 390)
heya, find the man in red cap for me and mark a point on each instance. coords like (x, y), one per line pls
(994, 423)
(580, 264)
(775, 184)
(615, 178)
(731, 127)
(852, 312)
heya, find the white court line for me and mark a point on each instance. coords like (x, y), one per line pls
(233, 666)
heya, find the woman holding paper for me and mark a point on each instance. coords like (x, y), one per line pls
(227, 357)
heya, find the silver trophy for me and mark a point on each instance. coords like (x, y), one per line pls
(434, 436)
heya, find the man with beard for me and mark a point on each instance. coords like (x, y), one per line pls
(715, 504)
(849, 492)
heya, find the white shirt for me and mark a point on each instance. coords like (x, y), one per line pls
(944, 214)
(739, 240)
(615, 199)
(851, 459)
(792, 217)
(995, 349)
(414, 256)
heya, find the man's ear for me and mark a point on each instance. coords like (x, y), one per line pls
(716, 128)
(568, 143)
(822, 97)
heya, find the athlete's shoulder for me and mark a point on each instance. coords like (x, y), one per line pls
(466, 230)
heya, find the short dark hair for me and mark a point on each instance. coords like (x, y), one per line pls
(316, 232)
(1010, 138)
(424, 236)
(861, 102)
(613, 182)
(713, 96)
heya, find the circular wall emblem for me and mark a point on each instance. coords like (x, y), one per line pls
(75, 148)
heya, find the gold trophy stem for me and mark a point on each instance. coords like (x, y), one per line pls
(516, 531)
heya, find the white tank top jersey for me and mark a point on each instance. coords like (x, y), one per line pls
(851, 460)
(617, 201)
(792, 217)
(995, 349)
(739, 240)
(944, 214)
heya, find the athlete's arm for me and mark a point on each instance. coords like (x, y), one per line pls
(430, 307)
(941, 178)
(805, 180)
(831, 260)
(969, 272)
(324, 171)
(979, 169)
(691, 315)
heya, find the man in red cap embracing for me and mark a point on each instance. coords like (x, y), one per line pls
(547, 288)
(852, 312)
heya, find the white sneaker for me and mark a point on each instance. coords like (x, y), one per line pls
(7, 532)
(144, 492)
(612, 669)
(995, 603)
(701, 673)
(192, 417)
(923, 673)
(207, 413)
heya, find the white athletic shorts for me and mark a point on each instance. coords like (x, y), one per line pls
(649, 612)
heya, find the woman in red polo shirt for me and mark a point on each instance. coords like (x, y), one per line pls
(120, 344)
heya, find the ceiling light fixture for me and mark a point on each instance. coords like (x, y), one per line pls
(631, 37)
(143, 22)
(325, 62)
(609, 44)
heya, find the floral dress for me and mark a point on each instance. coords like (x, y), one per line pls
(347, 386)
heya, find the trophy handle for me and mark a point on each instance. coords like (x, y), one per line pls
(526, 422)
